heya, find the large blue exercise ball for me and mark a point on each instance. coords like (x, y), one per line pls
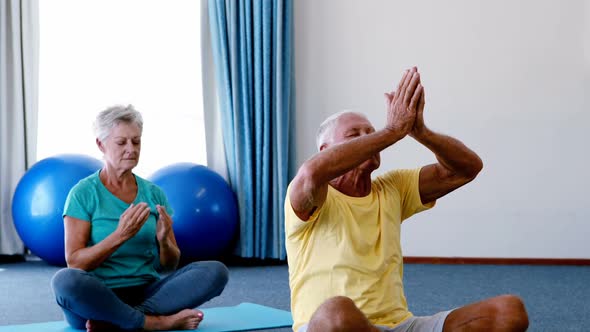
(205, 220)
(38, 202)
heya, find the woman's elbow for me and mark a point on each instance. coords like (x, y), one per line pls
(75, 264)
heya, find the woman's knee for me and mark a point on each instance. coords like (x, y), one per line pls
(220, 270)
(67, 280)
(217, 272)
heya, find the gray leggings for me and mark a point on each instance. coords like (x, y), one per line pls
(82, 296)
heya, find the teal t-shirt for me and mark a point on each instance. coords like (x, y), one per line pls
(134, 263)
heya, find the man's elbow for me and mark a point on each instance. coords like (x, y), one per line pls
(474, 169)
(309, 175)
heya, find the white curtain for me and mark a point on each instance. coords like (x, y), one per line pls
(19, 59)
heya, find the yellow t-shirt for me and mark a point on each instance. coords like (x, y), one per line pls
(351, 247)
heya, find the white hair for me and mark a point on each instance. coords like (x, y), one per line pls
(324, 134)
(114, 115)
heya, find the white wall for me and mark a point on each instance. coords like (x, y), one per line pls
(511, 79)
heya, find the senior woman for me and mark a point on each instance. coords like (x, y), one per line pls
(118, 235)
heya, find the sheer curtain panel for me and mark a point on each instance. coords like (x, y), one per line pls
(19, 58)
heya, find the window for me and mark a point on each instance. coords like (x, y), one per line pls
(95, 54)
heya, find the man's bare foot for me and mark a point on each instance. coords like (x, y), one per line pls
(187, 319)
(98, 326)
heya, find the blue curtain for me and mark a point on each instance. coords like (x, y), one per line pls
(252, 52)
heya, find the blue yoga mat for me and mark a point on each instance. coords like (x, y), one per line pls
(243, 317)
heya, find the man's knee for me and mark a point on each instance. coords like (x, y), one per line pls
(339, 314)
(511, 312)
(333, 306)
(502, 313)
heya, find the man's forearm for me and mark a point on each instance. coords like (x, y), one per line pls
(339, 159)
(451, 153)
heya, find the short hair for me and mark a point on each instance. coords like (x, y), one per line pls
(114, 115)
(328, 125)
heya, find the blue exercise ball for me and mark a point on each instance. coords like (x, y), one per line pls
(38, 202)
(205, 219)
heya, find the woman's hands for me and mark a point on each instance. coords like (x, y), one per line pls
(132, 220)
(169, 251)
(164, 225)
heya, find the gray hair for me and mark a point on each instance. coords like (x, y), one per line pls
(114, 115)
(325, 129)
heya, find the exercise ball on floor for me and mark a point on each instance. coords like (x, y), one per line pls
(205, 219)
(38, 203)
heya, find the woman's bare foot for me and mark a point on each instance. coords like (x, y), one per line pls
(187, 319)
(98, 326)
